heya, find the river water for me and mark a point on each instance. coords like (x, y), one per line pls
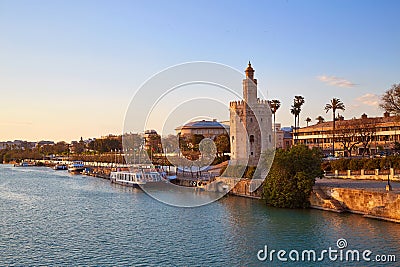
(53, 218)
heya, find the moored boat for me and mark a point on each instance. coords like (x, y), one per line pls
(25, 164)
(135, 179)
(76, 166)
(59, 167)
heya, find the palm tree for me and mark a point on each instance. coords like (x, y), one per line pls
(298, 101)
(275, 105)
(334, 105)
(320, 119)
(308, 120)
(293, 110)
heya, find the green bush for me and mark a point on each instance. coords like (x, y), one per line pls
(372, 164)
(292, 176)
(396, 162)
(340, 164)
(364, 163)
(326, 166)
(356, 164)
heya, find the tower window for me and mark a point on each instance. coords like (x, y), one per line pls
(233, 138)
(270, 138)
(252, 138)
(251, 153)
(251, 119)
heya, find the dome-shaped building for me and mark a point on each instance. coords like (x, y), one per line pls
(209, 129)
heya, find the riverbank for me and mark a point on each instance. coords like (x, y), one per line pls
(364, 197)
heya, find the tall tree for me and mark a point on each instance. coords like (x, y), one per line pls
(347, 133)
(222, 143)
(320, 119)
(170, 143)
(390, 101)
(334, 105)
(79, 147)
(195, 140)
(308, 120)
(294, 112)
(275, 105)
(366, 132)
(60, 148)
(292, 177)
(298, 101)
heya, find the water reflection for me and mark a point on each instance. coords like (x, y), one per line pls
(251, 223)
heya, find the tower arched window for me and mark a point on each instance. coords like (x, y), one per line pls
(251, 138)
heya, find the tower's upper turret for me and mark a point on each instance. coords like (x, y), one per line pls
(249, 72)
(250, 86)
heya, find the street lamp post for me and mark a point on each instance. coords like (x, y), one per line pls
(115, 157)
(389, 186)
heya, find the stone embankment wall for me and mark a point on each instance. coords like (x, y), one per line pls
(238, 187)
(371, 203)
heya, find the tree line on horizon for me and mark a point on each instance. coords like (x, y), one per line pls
(98, 149)
(390, 102)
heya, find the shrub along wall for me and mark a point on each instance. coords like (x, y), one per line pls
(356, 164)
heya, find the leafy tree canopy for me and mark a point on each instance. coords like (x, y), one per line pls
(292, 176)
(390, 100)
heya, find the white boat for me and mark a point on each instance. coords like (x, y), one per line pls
(25, 164)
(58, 167)
(76, 166)
(135, 179)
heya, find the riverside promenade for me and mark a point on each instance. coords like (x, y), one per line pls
(357, 184)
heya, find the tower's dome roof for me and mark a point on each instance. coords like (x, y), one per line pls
(249, 68)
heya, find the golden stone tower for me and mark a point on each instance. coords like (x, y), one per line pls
(250, 124)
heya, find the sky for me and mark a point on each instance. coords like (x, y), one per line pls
(69, 69)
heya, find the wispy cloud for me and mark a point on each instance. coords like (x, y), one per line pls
(336, 81)
(15, 123)
(369, 99)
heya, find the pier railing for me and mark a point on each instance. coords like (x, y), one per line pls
(376, 174)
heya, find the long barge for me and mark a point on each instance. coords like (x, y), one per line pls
(135, 179)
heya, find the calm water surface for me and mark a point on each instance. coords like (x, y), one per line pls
(54, 218)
